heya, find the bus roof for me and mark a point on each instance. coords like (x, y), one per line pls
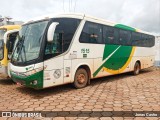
(10, 27)
(88, 18)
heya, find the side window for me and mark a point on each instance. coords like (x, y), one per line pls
(116, 36)
(67, 27)
(62, 38)
(151, 41)
(145, 40)
(110, 35)
(142, 40)
(55, 47)
(91, 33)
(124, 37)
(136, 39)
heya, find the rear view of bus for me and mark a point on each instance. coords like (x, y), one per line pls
(8, 35)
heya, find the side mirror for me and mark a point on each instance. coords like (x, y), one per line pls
(51, 30)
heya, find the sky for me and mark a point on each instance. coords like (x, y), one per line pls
(142, 14)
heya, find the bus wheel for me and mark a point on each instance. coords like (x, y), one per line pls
(81, 78)
(136, 68)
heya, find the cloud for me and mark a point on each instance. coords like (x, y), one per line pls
(143, 14)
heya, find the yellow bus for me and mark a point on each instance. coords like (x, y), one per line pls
(8, 34)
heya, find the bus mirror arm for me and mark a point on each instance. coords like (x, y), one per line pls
(51, 30)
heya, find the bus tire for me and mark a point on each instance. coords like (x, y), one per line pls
(81, 78)
(136, 68)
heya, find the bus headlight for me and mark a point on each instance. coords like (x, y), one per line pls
(34, 82)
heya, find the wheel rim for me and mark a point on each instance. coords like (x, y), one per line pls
(81, 78)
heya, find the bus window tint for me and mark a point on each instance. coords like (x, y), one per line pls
(116, 36)
(63, 36)
(66, 27)
(1, 49)
(108, 35)
(55, 46)
(91, 33)
(136, 39)
(151, 41)
(124, 37)
(144, 40)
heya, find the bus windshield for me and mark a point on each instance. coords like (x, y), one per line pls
(2, 32)
(29, 42)
(1, 49)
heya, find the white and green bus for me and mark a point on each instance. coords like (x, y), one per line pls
(74, 48)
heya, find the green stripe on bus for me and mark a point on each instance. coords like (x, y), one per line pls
(117, 60)
(120, 57)
(124, 27)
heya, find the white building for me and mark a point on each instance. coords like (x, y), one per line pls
(8, 21)
(157, 47)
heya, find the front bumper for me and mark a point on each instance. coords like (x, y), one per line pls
(29, 81)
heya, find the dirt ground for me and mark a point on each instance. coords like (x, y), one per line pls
(123, 92)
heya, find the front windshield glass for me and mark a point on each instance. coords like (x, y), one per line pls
(1, 49)
(29, 42)
(2, 32)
